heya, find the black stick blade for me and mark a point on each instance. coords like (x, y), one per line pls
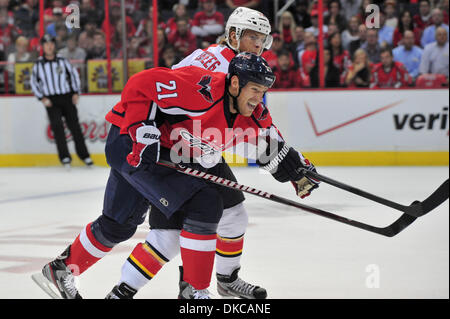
(439, 196)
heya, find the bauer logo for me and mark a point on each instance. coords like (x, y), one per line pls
(422, 121)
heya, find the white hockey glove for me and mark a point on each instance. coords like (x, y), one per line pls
(145, 137)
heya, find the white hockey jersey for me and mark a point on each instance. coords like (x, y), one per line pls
(215, 58)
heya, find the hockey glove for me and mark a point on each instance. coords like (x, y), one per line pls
(145, 137)
(288, 165)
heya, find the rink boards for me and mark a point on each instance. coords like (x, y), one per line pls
(338, 127)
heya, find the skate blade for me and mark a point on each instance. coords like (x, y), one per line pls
(46, 285)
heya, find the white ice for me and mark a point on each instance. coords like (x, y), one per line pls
(291, 253)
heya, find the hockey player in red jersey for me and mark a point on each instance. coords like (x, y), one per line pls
(157, 111)
(247, 30)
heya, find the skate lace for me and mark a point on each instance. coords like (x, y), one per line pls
(201, 294)
(69, 284)
(242, 286)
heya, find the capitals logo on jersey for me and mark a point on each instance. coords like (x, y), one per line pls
(205, 90)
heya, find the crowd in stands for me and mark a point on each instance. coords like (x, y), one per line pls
(409, 43)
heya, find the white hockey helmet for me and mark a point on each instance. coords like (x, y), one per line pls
(243, 19)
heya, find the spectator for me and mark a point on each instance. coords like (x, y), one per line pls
(443, 5)
(233, 4)
(388, 73)
(429, 33)
(182, 39)
(72, 51)
(20, 54)
(351, 33)
(35, 42)
(299, 44)
(341, 57)
(435, 57)
(26, 16)
(58, 20)
(5, 6)
(271, 56)
(89, 13)
(372, 46)
(359, 73)
(142, 29)
(169, 57)
(362, 14)
(287, 27)
(405, 23)
(385, 32)
(114, 18)
(86, 38)
(362, 38)
(287, 77)
(334, 15)
(179, 11)
(134, 49)
(314, 28)
(350, 8)
(391, 14)
(8, 32)
(331, 73)
(98, 49)
(409, 54)
(423, 18)
(62, 34)
(301, 14)
(49, 13)
(307, 58)
(208, 23)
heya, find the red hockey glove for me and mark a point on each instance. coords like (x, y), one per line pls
(145, 137)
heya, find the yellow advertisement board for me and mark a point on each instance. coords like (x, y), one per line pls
(98, 74)
(22, 77)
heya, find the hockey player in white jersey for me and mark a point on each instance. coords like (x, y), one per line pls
(246, 30)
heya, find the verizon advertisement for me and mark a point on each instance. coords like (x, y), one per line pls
(381, 120)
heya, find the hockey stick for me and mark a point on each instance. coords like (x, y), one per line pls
(416, 209)
(393, 229)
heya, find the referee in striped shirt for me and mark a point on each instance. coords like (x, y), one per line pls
(57, 85)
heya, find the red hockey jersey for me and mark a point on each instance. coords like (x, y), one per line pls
(191, 103)
(396, 77)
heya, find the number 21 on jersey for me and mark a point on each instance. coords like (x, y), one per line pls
(172, 86)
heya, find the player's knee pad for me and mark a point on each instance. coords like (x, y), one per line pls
(203, 212)
(234, 222)
(165, 241)
(109, 232)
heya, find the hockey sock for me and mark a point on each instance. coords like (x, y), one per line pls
(85, 251)
(197, 254)
(142, 265)
(228, 254)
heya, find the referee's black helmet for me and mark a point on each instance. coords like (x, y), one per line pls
(47, 38)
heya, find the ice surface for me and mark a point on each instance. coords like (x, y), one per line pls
(291, 253)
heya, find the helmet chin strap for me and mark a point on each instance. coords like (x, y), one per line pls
(235, 98)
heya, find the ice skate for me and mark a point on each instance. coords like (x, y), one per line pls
(233, 286)
(189, 292)
(57, 279)
(122, 291)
